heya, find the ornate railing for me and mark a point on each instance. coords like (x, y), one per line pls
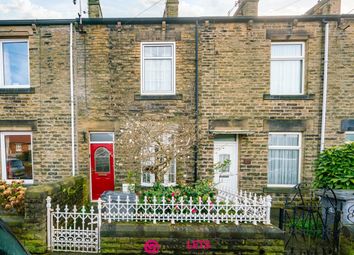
(245, 208)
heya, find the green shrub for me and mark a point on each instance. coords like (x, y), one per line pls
(202, 189)
(335, 168)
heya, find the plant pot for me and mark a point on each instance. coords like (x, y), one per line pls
(128, 188)
(345, 203)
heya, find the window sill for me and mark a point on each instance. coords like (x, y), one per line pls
(288, 97)
(279, 190)
(139, 97)
(6, 91)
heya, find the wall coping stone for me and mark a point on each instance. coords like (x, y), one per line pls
(194, 230)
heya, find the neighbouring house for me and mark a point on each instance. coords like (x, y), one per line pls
(266, 94)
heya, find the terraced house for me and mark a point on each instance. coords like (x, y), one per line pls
(266, 93)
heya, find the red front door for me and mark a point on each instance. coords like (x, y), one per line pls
(102, 169)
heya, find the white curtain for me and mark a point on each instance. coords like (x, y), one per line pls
(283, 162)
(283, 166)
(286, 74)
(158, 75)
(158, 64)
(286, 77)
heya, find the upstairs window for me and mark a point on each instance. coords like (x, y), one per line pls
(14, 63)
(158, 69)
(287, 68)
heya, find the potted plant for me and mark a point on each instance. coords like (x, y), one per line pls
(129, 187)
(335, 170)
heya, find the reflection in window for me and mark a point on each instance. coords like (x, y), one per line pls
(18, 162)
(102, 160)
(15, 63)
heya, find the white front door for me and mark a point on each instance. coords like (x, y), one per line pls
(225, 163)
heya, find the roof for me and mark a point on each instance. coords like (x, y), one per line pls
(176, 20)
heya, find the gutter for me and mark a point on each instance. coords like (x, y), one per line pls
(72, 102)
(196, 98)
(325, 86)
(179, 20)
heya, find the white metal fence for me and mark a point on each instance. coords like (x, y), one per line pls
(245, 208)
(73, 231)
(79, 230)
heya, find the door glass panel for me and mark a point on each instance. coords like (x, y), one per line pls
(102, 160)
(101, 137)
(224, 161)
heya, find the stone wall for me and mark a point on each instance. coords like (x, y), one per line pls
(108, 86)
(347, 240)
(31, 229)
(119, 238)
(44, 109)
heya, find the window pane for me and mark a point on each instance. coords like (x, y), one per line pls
(286, 77)
(158, 76)
(286, 50)
(171, 173)
(15, 63)
(223, 158)
(102, 160)
(18, 162)
(349, 137)
(101, 137)
(284, 140)
(157, 51)
(283, 166)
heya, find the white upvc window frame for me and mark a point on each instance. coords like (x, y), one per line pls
(299, 148)
(166, 181)
(348, 133)
(173, 58)
(3, 156)
(291, 58)
(2, 74)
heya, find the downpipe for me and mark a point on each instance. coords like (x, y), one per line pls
(325, 86)
(72, 103)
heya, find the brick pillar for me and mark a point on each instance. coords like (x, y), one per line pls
(171, 9)
(94, 9)
(325, 7)
(247, 8)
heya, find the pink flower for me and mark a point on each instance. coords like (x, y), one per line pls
(173, 194)
(194, 210)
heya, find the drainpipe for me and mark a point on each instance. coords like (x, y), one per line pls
(72, 102)
(325, 86)
(196, 98)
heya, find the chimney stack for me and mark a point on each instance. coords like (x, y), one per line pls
(94, 9)
(171, 9)
(325, 7)
(247, 8)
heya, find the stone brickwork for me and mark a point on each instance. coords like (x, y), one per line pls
(234, 78)
(109, 59)
(224, 239)
(43, 109)
(31, 228)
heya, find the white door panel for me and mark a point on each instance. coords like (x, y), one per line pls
(225, 177)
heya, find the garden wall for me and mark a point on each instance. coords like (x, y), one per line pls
(347, 240)
(31, 228)
(130, 238)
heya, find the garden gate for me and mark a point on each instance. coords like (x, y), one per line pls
(73, 231)
(311, 228)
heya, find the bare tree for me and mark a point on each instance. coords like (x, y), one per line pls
(156, 143)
